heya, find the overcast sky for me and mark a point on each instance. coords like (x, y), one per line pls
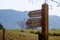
(27, 5)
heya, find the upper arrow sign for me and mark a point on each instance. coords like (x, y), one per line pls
(35, 13)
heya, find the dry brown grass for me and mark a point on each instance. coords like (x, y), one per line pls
(17, 35)
(1, 34)
(54, 37)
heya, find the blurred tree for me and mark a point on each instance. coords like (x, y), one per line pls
(1, 26)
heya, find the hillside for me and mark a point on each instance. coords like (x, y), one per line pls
(10, 18)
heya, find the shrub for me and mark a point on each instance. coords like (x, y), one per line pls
(37, 32)
(51, 34)
(56, 34)
(22, 30)
(31, 31)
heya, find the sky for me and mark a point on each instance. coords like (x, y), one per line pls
(28, 5)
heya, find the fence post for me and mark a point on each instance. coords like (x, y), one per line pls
(40, 36)
(45, 21)
(3, 34)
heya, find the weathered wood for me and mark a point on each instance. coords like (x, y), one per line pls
(45, 21)
(35, 22)
(35, 13)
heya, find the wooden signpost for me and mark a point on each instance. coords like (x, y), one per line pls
(35, 13)
(43, 21)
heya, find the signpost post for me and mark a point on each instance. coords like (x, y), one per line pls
(45, 21)
(41, 21)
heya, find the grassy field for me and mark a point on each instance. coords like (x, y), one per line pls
(18, 35)
(1, 34)
(26, 35)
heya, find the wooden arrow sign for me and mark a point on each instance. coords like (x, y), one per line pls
(35, 22)
(35, 13)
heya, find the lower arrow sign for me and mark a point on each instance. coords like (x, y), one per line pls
(35, 22)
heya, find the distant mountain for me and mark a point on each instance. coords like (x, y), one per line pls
(10, 19)
(54, 21)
